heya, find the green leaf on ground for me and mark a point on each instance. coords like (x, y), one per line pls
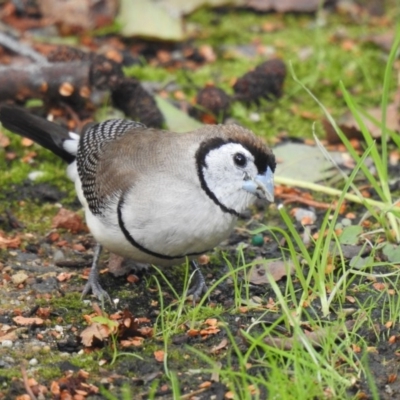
(361, 262)
(350, 234)
(303, 162)
(148, 19)
(392, 252)
(176, 120)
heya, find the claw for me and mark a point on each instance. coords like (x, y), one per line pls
(93, 284)
(199, 286)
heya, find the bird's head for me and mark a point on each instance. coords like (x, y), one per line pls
(235, 167)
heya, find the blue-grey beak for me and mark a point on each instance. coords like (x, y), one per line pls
(261, 185)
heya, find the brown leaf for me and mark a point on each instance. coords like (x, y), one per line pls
(55, 388)
(20, 320)
(278, 269)
(9, 335)
(43, 312)
(116, 265)
(159, 355)
(95, 331)
(316, 337)
(27, 142)
(384, 40)
(209, 331)
(67, 219)
(64, 276)
(4, 140)
(211, 321)
(78, 15)
(135, 341)
(9, 243)
(193, 332)
(351, 129)
(379, 286)
(222, 345)
(146, 331)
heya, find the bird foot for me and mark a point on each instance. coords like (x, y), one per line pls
(93, 284)
(198, 286)
(95, 287)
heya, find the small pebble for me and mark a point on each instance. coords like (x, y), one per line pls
(18, 278)
(58, 256)
(7, 343)
(254, 117)
(35, 175)
(346, 222)
(46, 349)
(33, 362)
(59, 328)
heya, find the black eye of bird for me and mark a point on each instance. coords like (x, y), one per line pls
(240, 159)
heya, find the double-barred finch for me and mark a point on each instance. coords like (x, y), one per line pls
(156, 196)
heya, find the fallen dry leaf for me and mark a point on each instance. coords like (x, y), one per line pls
(9, 243)
(8, 333)
(20, 320)
(209, 331)
(43, 312)
(4, 140)
(277, 269)
(26, 142)
(159, 355)
(222, 345)
(78, 15)
(146, 331)
(351, 129)
(379, 286)
(384, 40)
(64, 276)
(135, 341)
(316, 337)
(388, 324)
(67, 219)
(19, 277)
(94, 332)
(193, 332)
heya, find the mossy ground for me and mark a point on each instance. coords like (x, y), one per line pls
(322, 50)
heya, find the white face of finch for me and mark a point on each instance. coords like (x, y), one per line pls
(231, 175)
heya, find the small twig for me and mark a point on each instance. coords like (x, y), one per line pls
(21, 48)
(26, 383)
(329, 191)
(291, 198)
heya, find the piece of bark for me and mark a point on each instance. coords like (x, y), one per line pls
(130, 97)
(67, 82)
(20, 48)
